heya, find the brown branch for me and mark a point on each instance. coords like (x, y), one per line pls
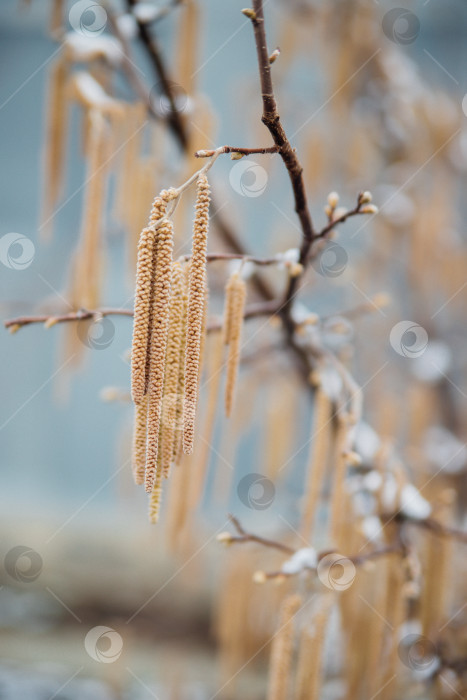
(254, 310)
(179, 131)
(213, 257)
(435, 527)
(80, 315)
(245, 536)
(233, 149)
(271, 120)
(149, 41)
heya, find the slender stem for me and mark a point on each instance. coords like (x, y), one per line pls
(234, 149)
(265, 308)
(248, 537)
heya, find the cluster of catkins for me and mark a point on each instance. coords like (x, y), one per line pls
(169, 325)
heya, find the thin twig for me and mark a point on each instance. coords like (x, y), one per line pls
(233, 149)
(266, 308)
(272, 121)
(245, 536)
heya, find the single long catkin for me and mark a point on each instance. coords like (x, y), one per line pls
(282, 651)
(158, 345)
(139, 441)
(56, 137)
(172, 369)
(143, 300)
(320, 445)
(235, 306)
(178, 447)
(196, 303)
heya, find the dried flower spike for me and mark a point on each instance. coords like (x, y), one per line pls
(139, 441)
(235, 307)
(158, 345)
(143, 300)
(282, 651)
(172, 368)
(196, 306)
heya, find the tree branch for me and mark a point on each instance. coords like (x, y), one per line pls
(271, 120)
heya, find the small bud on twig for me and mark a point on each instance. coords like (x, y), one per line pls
(248, 12)
(259, 577)
(236, 156)
(275, 54)
(365, 197)
(333, 199)
(225, 538)
(369, 209)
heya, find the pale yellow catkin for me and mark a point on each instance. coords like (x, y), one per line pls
(282, 651)
(316, 470)
(178, 447)
(89, 257)
(139, 441)
(158, 345)
(172, 368)
(199, 467)
(55, 141)
(235, 303)
(338, 492)
(196, 305)
(155, 500)
(309, 674)
(145, 272)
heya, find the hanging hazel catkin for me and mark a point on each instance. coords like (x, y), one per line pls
(143, 299)
(139, 441)
(172, 368)
(158, 345)
(233, 322)
(196, 306)
(282, 650)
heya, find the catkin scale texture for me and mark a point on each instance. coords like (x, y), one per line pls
(172, 368)
(235, 306)
(196, 305)
(158, 345)
(147, 255)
